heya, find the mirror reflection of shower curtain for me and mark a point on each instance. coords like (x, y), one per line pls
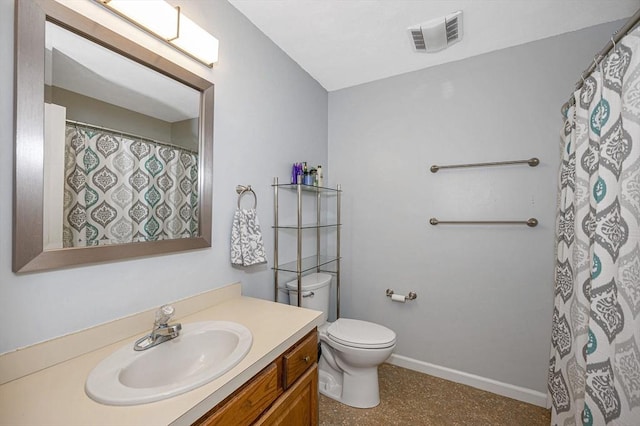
(594, 371)
(121, 189)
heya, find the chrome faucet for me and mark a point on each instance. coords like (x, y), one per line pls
(161, 331)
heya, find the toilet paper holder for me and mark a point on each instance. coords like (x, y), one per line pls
(411, 296)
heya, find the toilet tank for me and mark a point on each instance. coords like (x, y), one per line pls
(315, 292)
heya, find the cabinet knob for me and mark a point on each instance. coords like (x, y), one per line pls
(306, 359)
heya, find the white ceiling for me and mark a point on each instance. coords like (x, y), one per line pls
(84, 67)
(343, 43)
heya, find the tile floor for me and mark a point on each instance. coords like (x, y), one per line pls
(415, 399)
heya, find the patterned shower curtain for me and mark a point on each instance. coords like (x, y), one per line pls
(594, 371)
(120, 189)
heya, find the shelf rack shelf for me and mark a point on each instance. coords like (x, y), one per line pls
(308, 264)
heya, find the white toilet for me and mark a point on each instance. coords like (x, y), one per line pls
(352, 350)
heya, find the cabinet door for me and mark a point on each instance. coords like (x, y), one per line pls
(247, 404)
(298, 405)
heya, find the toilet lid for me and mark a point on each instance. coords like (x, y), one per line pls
(361, 334)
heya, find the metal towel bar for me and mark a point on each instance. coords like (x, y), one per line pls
(241, 190)
(531, 162)
(533, 222)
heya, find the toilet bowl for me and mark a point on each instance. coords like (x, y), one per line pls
(351, 350)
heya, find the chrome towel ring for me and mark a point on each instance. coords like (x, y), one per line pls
(242, 189)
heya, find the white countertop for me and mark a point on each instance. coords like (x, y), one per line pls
(55, 395)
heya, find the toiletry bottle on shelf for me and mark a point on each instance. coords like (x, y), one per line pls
(313, 175)
(319, 180)
(298, 173)
(306, 178)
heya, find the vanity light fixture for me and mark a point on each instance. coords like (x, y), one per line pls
(167, 23)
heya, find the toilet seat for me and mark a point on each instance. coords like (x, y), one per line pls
(361, 334)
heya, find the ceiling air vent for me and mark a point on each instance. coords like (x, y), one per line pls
(437, 34)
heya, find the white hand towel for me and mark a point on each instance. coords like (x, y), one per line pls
(247, 247)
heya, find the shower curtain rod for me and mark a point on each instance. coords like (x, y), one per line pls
(121, 133)
(615, 38)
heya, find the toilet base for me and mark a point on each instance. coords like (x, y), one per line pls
(328, 386)
(359, 390)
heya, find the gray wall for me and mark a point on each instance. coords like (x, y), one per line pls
(88, 110)
(185, 133)
(484, 292)
(268, 114)
(93, 111)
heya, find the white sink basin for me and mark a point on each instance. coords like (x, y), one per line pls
(202, 352)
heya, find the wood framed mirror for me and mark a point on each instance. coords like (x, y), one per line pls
(50, 230)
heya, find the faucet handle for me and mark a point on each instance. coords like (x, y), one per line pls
(164, 314)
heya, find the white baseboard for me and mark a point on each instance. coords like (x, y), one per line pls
(483, 383)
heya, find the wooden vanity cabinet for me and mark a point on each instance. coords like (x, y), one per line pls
(298, 405)
(284, 393)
